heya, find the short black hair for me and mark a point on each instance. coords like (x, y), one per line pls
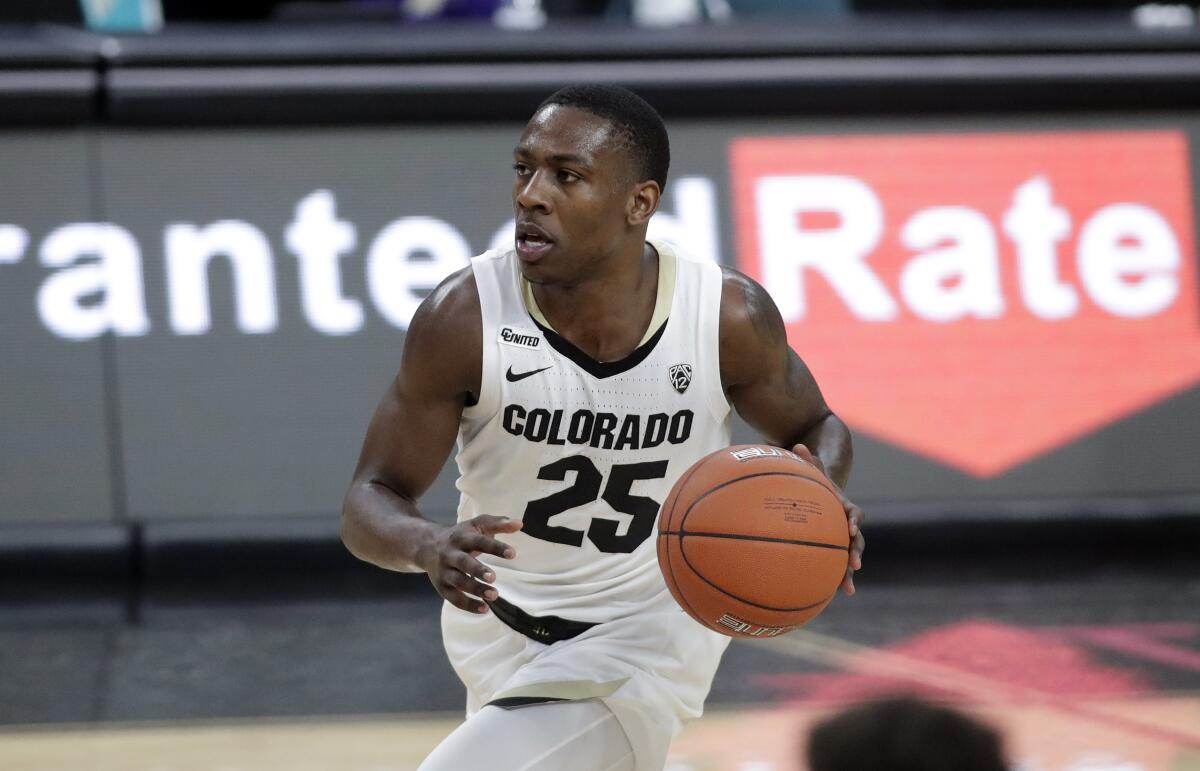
(903, 734)
(638, 124)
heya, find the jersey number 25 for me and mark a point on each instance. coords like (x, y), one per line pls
(585, 489)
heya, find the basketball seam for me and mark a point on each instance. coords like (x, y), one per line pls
(736, 537)
(698, 618)
(698, 574)
(682, 483)
(727, 483)
(683, 552)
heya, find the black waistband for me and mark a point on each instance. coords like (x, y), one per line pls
(543, 629)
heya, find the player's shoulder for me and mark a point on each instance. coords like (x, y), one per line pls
(443, 345)
(457, 294)
(449, 314)
(679, 255)
(746, 307)
(747, 311)
(752, 335)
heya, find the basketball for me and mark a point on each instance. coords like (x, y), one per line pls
(753, 541)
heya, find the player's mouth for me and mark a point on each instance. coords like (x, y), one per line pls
(532, 242)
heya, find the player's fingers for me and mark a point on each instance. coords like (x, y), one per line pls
(456, 598)
(856, 551)
(463, 602)
(848, 582)
(487, 523)
(468, 585)
(472, 567)
(806, 454)
(854, 516)
(484, 544)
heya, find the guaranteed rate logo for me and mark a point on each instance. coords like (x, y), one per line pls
(95, 278)
(979, 299)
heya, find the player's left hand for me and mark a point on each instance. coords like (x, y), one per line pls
(854, 518)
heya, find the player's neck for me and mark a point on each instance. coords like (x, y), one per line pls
(606, 314)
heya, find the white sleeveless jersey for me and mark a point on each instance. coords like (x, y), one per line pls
(585, 452)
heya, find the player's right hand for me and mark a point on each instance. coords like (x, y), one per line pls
(449, 559)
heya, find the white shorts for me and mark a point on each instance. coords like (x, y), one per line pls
(652, 670)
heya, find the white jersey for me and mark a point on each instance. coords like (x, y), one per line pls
(585, 452)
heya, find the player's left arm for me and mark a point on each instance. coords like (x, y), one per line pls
(773, 390)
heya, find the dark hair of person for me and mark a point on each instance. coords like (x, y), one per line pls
(637, 124)
(903, 734)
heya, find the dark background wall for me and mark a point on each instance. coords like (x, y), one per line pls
(162, 421)
(408, 130)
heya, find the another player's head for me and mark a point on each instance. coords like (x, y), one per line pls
(589, 170)
(903, 734)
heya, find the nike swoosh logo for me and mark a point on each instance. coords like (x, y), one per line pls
(513, 377)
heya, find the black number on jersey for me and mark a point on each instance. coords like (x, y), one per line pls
(584, 490)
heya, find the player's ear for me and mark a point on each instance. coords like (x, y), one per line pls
(643, 202)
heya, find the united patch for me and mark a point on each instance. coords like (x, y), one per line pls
(519, 338)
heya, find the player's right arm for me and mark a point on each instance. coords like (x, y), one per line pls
(408, 441)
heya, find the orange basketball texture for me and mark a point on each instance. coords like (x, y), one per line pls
(753, 541)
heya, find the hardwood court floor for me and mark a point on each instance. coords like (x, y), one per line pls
(1093, 665)
(1139, 734)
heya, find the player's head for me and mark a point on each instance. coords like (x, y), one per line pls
(639, 130)
(589, 170)
(903, 734)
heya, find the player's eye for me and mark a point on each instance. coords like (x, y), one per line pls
(521, 169)
(567, 176)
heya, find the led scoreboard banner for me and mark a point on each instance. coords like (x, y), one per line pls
(198, 323)
(1014, 291)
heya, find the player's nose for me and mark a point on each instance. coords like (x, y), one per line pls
(532, 194)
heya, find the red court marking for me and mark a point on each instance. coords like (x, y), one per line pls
(1138, 644)
(1172, 630)
(1006, 655)
(986, 662)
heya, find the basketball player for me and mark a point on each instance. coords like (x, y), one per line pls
(582, 372)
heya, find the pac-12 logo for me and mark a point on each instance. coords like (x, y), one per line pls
(681, 376)
(980, 299)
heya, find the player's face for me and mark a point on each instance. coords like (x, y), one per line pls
(572, 187)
